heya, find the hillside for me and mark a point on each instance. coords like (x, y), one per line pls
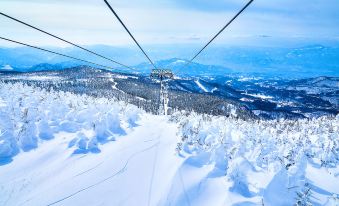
(250, 97)
(59, 148)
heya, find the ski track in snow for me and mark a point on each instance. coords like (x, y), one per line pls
(153, 171)
(184, 188)
(201, 86)
(84, 172)
(106, 179)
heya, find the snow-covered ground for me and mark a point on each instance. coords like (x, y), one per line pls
(261, 96)
(263, 163)
(58, 148)
(6, 68)
(201, 86)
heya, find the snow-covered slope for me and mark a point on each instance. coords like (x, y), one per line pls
(252, 96)
(261, 163)
(59, 148)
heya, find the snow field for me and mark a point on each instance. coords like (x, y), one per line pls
(58, 148)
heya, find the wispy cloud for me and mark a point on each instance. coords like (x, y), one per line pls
(171, 21)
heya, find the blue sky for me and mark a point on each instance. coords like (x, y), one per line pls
(88, 22)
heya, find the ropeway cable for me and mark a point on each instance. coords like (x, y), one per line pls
(66, 41)
(49, 51)
(130, 34)
(243, 9)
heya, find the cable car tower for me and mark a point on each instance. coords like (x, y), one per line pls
(162, 75)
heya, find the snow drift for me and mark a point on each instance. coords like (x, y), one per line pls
(30, 116)
(279, 162)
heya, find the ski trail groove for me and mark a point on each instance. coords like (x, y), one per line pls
(84, 172)
(153, 171)
(184, 188)
(107, 178)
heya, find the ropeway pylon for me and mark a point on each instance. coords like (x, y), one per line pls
(163, 106)
(163, 75)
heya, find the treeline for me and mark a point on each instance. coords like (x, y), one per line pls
(141, 91)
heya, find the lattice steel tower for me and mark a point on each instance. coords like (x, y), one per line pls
(163, 75)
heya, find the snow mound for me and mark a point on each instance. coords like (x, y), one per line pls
(29, 116)
(281, 162)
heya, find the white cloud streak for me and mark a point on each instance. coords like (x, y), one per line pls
(168, 22)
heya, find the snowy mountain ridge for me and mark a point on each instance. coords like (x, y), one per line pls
(301, 61)
(252, 96)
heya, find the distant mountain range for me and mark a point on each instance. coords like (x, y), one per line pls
(308, 61)
(266, 98)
